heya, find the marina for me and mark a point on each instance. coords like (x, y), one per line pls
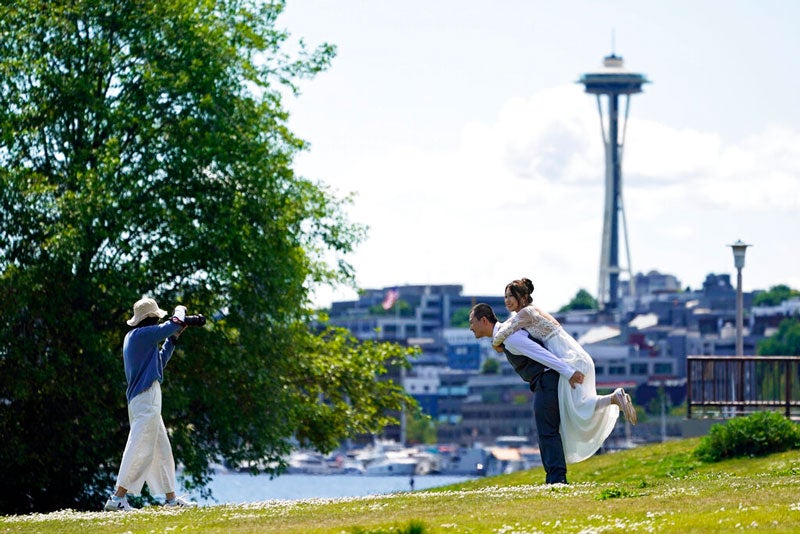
(390, 458)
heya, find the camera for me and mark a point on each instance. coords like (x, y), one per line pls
(194, 320)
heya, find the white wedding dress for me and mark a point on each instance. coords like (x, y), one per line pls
(583, 428)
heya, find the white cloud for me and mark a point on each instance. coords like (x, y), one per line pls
(660, 154)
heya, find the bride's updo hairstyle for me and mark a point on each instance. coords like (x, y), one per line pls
(521, 290)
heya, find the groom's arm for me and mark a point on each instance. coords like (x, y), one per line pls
(520, 343)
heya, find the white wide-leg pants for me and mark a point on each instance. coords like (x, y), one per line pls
(148, 454)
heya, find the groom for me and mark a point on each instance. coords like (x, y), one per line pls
(541, 369)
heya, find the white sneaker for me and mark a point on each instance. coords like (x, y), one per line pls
(180, 502)
(117, 506)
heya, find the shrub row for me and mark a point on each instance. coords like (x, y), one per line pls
(758, 434)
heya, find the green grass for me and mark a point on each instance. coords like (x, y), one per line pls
(657, 488)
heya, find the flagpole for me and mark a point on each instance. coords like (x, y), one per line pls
(402, 378)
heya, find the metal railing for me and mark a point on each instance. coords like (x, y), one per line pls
(729, 386)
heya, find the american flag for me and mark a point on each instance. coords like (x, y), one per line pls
(391, 297)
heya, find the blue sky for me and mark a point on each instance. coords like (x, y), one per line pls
(477, 159)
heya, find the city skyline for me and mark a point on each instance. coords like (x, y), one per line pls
(477, 158)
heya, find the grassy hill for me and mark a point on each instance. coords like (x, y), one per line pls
(657, 488)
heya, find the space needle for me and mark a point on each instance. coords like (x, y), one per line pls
(612, 81)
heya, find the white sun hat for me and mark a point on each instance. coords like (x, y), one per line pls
(143, 308)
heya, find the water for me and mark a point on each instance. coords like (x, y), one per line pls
(238, 488)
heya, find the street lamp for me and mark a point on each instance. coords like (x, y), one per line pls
(739, 249)
(737, 386)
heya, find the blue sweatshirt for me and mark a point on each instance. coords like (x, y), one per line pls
(144, 362)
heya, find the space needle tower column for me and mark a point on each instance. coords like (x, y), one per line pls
(612, 81)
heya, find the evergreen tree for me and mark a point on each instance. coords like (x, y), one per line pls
(582, 300)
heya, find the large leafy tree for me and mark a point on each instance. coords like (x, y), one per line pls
(784, 342)
(144, 150)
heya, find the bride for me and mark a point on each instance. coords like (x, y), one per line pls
(586, 417)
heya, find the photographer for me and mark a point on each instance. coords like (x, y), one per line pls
(148, 454)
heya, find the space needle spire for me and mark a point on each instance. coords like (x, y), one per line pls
(613, 81)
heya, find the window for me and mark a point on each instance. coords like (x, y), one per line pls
(662, 369)
(639, 369)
